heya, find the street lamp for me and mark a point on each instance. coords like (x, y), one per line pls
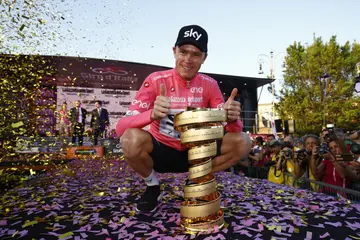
(323, 79)
(271, 61)
(357, 78)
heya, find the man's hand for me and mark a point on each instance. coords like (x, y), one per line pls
(315, 150)
(232, 107)
(161, 105)
(330, 157)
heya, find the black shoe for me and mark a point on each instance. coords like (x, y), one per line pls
(149, 200)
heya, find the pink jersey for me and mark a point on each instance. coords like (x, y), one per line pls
(201, 92)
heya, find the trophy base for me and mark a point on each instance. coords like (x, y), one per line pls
(214, 224)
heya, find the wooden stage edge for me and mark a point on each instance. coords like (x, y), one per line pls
(49, 160)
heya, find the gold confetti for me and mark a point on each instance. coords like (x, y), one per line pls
(29, 224)
(122, 219)
(66, 235)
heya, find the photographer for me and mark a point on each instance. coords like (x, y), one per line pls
(275, 174)
(334, 168)
(254, 155)
(299, 144)
(302, 157)
(355, 165)
(355, 137)
(287, 162)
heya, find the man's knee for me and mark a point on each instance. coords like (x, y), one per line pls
(134, 141)
(240, 146)
(244, 140)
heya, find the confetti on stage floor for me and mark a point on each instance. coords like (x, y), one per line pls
(94, 199)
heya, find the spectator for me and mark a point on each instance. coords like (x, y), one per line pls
(333, 169)
(275, 174)
(299, 144)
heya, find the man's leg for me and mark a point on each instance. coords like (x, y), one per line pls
(96, 135)
(137, 145)
(81, 134)
(74, 133)
(234, 147)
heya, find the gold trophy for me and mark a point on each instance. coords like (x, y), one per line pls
(199, 129)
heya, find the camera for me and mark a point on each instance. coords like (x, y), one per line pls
(301, 154)
(324, 148)
(330, 130)
(355, 148)
(287, 153)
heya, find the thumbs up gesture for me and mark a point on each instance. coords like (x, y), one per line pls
(232, 107)
(161, 105)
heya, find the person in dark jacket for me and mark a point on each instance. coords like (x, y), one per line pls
(99, 121)
(77, 121)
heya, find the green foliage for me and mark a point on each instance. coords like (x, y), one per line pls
(302, 96)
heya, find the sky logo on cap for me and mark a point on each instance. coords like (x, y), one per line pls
(192, 33)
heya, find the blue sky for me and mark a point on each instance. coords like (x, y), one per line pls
(145, 31)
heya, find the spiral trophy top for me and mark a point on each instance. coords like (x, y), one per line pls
(200, 115)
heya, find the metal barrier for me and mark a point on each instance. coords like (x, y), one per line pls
(305, 183)
(352, 193)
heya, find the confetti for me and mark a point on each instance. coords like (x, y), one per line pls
(88, 204)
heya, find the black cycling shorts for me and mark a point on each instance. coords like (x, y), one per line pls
(167, 159)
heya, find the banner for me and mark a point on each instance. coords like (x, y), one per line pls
(115, 101)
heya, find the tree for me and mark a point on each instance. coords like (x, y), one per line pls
(302, 95)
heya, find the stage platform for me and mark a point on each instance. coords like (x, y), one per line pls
(57, 145)
(94, 199)
(33, 160)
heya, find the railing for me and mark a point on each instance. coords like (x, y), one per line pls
(306, 183)
(352, 194)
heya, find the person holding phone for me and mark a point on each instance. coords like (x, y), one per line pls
(335, 167)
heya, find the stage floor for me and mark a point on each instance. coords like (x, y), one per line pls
(93, 199)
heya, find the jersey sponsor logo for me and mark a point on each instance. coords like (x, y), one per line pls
(196, 90)
(204, 77)
(140, 104)
(132, 113)
(166, 126)
(177, 99)
(161, 76)
(220, 105)
(174, 99)
(193, 34)
(195, 99)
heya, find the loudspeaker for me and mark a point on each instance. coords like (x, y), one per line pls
(289, 126)
(286, 128)
(279, 125)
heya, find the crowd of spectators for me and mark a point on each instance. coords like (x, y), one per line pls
(332, 157)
